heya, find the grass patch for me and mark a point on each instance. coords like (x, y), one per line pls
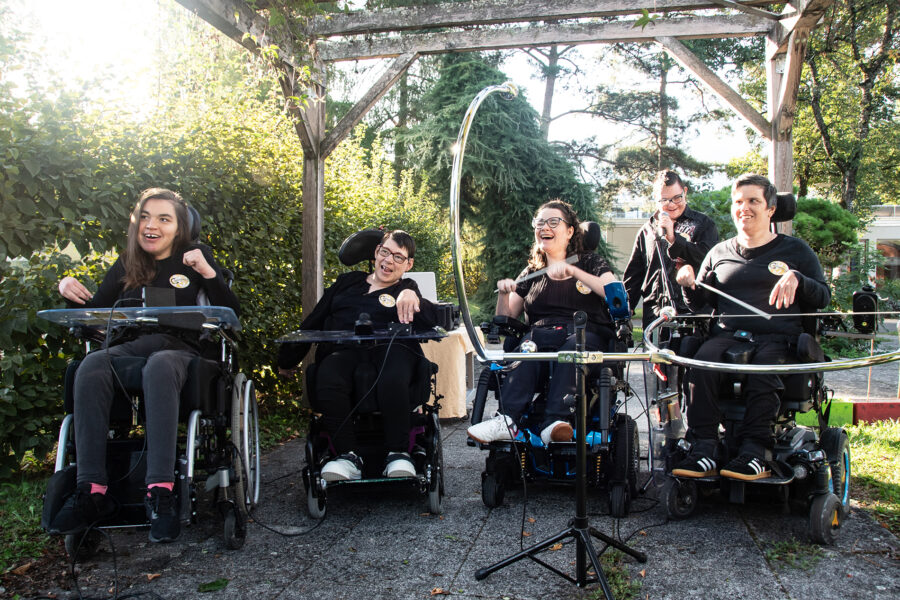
(875, 478)
(21, 536)
(841, 414)
(793, 554)
(618, 577)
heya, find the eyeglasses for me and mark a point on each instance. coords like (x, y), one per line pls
(553, 222)
(676, 200)
(398, 258)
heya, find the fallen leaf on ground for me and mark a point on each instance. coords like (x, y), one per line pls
(437, 591)
(643, 572)
(526, 533)
(556, 546)
(213, 586)
(531, 519)
(152, 576)
(21, 570)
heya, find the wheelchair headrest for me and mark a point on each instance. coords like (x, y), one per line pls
(194, 222)
(785, 207)
(360, 246)
(591, 232)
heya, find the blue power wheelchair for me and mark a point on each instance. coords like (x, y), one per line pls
(425, 446)
(613, 452)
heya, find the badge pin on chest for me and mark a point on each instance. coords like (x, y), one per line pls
(776, 267)
(179, 281)
(582, 288)
(387, 300)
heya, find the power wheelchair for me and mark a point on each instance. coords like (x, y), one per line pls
(425, 447)
(218, 447)
(613, 452)
(810, 466)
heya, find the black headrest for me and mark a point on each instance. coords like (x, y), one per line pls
(360, 246)
(785, 207)
(591, 232)
(194, 222)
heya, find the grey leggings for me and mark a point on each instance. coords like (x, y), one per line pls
(163, 377)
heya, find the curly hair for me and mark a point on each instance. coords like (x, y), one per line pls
(537, 259)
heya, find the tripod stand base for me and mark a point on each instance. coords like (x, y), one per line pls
(584, 549)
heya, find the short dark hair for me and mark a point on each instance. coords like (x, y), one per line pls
(402, 239)
(664, 178)
(769, 191)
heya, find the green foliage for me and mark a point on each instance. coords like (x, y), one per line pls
(21, 537)
(828, 229)
(715, 204)
(793, 554)
(875, 448)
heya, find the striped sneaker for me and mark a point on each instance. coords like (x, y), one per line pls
(695, 465)
(747, 468)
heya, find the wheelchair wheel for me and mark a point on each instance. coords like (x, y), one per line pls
(492, 490)
(836, 445)
(627, 454)
(245, 439)
(83, 546)
(680, 498)
(825, 519)
(235, 527)
(618, 501)
(436, 478)
(315, 503)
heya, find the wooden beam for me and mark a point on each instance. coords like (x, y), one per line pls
(746, 9)
(544, 35)
(241, 23)
(359, 110)
(489, 12)
(805, 19)
(786, 108)
(689, 61)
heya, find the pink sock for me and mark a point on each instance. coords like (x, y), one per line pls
(96, 488)
(169, 485)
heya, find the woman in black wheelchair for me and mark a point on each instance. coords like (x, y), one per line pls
(158, 254)
(573, 281)
(386, 297)
(775, 273)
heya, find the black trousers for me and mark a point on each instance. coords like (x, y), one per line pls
(756, 431)
(336, 400)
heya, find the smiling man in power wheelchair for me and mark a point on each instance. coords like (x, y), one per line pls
(166, 357)
(370, 384)
(535, 433)
(765, 288)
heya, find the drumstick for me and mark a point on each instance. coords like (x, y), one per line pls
(735, 300)
(539, 272)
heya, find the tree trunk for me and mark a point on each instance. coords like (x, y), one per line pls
(551, 72)
(662, 139)
(402, 121)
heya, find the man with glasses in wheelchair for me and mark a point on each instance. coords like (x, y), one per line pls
(386, 297)
(775, 273)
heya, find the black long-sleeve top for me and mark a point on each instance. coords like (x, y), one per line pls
(695, 234)
(749, 274)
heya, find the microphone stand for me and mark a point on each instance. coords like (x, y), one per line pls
(578, 528)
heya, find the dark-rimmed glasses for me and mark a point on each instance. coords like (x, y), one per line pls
(398, 258)
(676, 200)
(552, 222)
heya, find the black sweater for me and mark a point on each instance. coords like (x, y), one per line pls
(749, 274)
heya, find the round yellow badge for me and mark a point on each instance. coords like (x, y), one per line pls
(387, 300)
(582, 288)
(179, 281)
(776, 267)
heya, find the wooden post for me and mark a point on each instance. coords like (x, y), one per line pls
(781, 152)
(313, 117)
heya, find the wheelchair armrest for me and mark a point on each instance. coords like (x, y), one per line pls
(739, 354)
(809, 350)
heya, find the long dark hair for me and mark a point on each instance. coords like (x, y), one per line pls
(140, 267)
(537, 259)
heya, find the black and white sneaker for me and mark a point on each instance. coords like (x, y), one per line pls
(695, 465)
(746, 467)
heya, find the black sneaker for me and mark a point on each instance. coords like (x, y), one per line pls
(695, 465)
(163, 515)
(82, 510)
(746, 467)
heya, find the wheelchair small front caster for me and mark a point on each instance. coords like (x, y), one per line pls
(825, 518)
(315, 502)
(680, 498)
(235, 527)
(83, 546)
(492, 490)
(618, 501)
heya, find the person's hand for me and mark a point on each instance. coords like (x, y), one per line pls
(560, 270)
(195, 260)
(784, 291)
(666, 227)
(685, 277)
(506, 286)
(407, 306)
(72, 289)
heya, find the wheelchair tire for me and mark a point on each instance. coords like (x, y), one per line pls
(79, 549)
(235, 528)
(316, 504)
(836, 445)
(627, 454)
(245, 442)
(492, 490)
(436, 480)
(679, 497)
(825, 519)
(618, 501)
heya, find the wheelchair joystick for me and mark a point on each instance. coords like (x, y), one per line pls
(363, 325)
(668, 313)
(528, 346)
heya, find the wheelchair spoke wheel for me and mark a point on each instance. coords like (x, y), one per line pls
(836, 445)
(680, 498)
(825, 519)
(245, 441)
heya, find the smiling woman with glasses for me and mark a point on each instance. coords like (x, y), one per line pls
(552, 222)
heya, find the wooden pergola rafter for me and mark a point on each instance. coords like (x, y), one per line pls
(404, 34)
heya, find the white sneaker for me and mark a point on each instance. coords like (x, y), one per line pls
(346, 467)
(557, 431)
(499, 427)
(399, 465)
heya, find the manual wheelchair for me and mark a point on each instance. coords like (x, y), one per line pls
(613, 452)
(425, 447)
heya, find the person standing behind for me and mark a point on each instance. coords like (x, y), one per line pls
(685, 235)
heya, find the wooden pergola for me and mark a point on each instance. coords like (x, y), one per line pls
(404, 34)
